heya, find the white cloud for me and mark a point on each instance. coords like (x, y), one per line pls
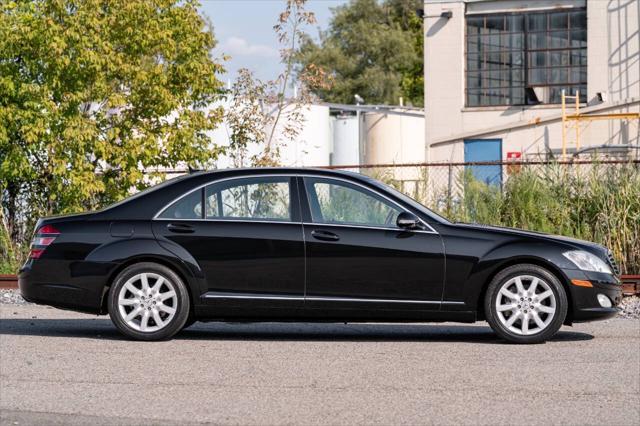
(237, 46)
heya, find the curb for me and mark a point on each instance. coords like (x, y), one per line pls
(630, 285)
(8, 281)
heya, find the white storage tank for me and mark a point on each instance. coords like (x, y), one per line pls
(394, 139)
(346, 147)
(312, 146)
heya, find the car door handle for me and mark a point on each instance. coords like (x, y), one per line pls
(180, 228)
(324, 235)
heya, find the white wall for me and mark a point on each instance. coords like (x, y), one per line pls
(311, 147)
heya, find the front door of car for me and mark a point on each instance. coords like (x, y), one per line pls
(357, 257)
(247, 240)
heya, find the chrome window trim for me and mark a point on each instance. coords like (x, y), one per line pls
(213, 295)
(381, 228)
(199, 187)
(429, 230)
(240, 220)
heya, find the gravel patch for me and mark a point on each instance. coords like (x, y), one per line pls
(629, 308)
(12, 297)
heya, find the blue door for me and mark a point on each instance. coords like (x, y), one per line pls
(476, 150)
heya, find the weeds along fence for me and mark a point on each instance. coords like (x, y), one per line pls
(597, 201)
(592, 200)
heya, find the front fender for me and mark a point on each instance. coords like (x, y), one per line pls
(494, 261)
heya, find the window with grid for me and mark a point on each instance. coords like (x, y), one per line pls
(524, 59)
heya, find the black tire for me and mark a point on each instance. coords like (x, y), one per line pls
(175, 324)
(530, 270)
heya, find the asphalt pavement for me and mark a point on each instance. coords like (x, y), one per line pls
(60, 367)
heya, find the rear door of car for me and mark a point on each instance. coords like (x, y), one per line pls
(357, 258)
(247, 240)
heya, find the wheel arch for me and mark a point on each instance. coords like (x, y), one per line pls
(523, 260)
(178, 269)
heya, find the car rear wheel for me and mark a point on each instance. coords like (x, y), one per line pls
(148, 301)
(525, 304)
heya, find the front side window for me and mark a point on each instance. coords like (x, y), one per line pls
(525, 59)
(336, 202)
(259, 198)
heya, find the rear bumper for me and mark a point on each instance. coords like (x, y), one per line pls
(73, 293)
(585, 299)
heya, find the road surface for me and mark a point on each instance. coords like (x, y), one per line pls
(59, 367)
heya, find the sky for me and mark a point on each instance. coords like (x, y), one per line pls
(244, 31)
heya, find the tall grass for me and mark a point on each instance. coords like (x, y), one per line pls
(11, 255)
(599, 203)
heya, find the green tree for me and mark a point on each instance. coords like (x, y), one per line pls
(373, 49)
(94, 92)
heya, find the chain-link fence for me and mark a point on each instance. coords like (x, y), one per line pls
(592, 200)
(438, 184)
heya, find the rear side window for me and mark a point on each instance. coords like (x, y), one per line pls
(259, 198)
(188, 207)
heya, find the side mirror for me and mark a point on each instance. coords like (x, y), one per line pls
(407, 221)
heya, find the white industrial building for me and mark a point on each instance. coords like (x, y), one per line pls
(346, 135)
(495, 71)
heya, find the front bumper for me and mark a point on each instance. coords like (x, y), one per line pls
(585, 299)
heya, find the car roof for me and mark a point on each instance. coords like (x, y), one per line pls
(144, 205)
(278, 170)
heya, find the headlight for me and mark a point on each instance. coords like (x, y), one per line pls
(587, 261)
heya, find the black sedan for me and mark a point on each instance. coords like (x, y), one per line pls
(288, 244)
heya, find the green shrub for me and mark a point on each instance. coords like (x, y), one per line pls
(600, 203)
(11, 256)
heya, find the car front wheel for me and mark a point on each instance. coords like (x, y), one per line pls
(148, 301)
(525, 304)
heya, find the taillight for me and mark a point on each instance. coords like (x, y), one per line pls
(45, 235)
(48, 229)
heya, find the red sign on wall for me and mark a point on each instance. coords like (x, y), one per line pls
(514, 155)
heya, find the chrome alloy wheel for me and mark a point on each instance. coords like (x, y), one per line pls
(147, 302)
(525, 305)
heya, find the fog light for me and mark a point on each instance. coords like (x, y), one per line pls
(604, 301)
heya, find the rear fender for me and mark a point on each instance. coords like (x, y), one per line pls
(122, 253)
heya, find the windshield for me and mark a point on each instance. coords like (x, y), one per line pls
(410, 201)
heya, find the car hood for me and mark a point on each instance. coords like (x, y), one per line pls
(582, 244)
